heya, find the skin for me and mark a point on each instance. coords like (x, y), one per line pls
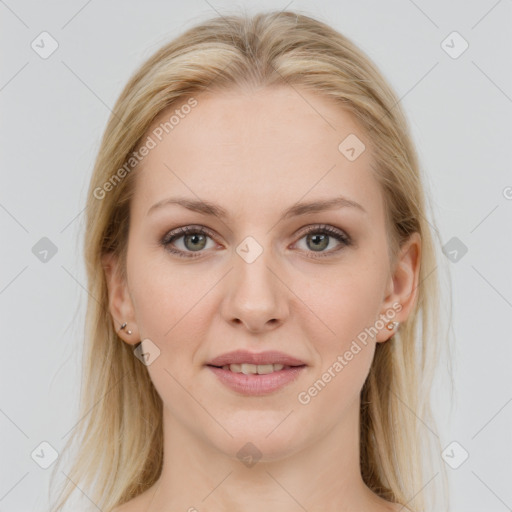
(255, 153)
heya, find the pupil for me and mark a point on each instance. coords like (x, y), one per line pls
(323, 238)
(195, 238)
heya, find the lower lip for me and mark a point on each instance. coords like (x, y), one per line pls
(255, 384)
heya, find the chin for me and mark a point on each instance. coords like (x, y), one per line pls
(255, 441)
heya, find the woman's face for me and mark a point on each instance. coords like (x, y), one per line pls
(254, 279)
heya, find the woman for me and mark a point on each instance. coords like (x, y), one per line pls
(262, 313)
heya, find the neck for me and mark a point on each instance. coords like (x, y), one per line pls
(323, 475)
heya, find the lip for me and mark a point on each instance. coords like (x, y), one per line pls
(244, 356)
(256, 384)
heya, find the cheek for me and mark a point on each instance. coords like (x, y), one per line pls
(170, 306)
(344, 302)
(349, 307)
(336, 390)
(167, 297)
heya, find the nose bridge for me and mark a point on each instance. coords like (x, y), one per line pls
(255, 295)
(253, 277)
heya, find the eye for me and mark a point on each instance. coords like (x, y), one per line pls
(194, 241)
(317, 238)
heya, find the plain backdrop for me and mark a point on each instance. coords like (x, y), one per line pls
(449, 62)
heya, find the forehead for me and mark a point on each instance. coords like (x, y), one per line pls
(261, 149)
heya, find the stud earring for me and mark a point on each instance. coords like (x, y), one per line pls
(392, 325)
(123, 326)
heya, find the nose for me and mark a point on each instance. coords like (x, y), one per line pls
(256, 296)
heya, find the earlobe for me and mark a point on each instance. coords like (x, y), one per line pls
(404, 287)
(119, 301)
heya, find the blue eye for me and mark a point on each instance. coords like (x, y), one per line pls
(195, 240)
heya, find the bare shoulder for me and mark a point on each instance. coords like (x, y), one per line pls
(138, 504)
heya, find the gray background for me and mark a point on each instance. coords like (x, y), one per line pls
(54, 111)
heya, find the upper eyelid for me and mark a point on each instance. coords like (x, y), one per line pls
(183, 231)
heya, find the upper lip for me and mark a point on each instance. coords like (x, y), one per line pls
(244, 356)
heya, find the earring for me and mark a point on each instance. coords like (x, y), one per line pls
(123, 326)
(392, 325)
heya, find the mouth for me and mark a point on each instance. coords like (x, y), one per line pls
(256, 380)
(248, 359)
(255, 369)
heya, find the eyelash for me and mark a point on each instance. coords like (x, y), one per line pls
(201, 230)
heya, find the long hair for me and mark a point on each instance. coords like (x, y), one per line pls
(119, 439)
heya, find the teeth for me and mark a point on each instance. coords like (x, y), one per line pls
(249, 368)
(259, 369)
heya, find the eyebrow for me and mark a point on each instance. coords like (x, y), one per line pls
(209, 208)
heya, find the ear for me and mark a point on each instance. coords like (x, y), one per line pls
(119, 300)
(402, 287)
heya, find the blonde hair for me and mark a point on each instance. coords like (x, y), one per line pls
(120, 438)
